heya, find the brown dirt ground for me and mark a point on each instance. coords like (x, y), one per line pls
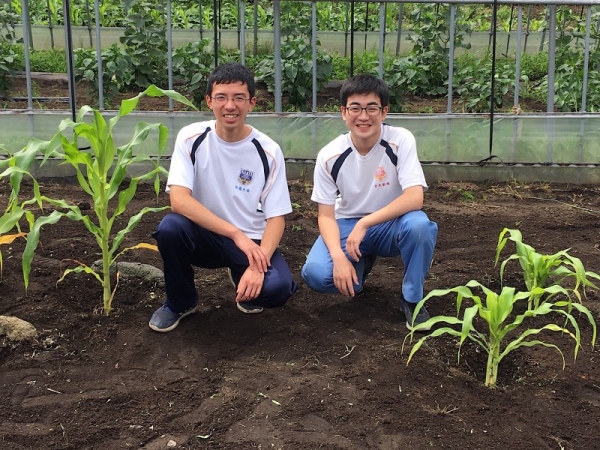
(322, 372)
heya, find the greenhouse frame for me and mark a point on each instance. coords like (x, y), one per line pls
(552, 146)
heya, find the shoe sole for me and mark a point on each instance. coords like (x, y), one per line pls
(249, 311)
(172, 327)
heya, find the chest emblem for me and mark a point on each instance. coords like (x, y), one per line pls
(380, 173)
(245, 176)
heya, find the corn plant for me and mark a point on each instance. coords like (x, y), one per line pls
(8, 221)
(15, 167)
(539, 270)
(495, 311)
(102, 172)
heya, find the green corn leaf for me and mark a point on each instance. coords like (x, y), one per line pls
(467, 322)
(76, 215)
(32, 242)
(80, 268)
(435, 333)
(133, 221)
(125, 196)
(9, 219)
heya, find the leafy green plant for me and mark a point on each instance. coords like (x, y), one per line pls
(568, 81)
(145, 41)
(118, 73)
(535, 65)
(540, 270)
(364, 62)
(7, 54)
(53, 61)
(102, 172)
(425, 69)
(15, 167)
(296, 70)
(501, 336)
(473, 82)
(192, 64)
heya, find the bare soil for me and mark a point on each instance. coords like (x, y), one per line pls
(322, 372)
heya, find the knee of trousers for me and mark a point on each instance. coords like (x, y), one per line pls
(315, 277)
(421, 229)
(171, 229)
(278, 293)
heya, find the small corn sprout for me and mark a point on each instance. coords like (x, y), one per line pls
(540, 270)
(495, 311)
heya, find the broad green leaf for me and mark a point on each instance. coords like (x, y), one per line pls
(33, 239)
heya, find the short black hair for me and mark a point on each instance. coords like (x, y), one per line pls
(365, 84)
(231, 73)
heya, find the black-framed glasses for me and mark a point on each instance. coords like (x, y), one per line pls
(222, 98)
(371, 110)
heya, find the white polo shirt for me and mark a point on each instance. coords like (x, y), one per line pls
(228, 177)
(365, 184)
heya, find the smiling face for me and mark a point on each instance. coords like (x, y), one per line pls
(229, 113)
(364, 129)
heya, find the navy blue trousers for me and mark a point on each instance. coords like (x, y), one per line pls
(183, 245)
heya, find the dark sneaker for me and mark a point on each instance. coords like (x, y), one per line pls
(247, 308)
(408, 309)
(164, 319)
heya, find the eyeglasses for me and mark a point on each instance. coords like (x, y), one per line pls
(221, 98)
(371, 110)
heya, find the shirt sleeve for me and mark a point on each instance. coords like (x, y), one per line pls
(325, 190)
(410, 172)
(276, 199)
(181, 170)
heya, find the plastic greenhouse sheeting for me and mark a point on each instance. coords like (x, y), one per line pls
(524, 139)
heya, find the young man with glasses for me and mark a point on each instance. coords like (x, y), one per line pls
(229, 195)
(369, 186)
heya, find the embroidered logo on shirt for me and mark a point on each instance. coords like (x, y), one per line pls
(245, 176)
(380, 173)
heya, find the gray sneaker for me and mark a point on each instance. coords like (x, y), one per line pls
(408, 309)
(164, 319)
(246, 308)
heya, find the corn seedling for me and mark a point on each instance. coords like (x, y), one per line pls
(101, 173)
(495, 310)
(539, 270)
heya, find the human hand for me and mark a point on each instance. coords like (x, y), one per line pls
(344, 277)
(354, 239)
(257, 258)
(250, 285)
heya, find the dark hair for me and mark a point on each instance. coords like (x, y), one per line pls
(231, 73)
(365, 84)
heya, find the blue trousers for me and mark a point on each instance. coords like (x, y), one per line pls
(411, 236)
(183, 244)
